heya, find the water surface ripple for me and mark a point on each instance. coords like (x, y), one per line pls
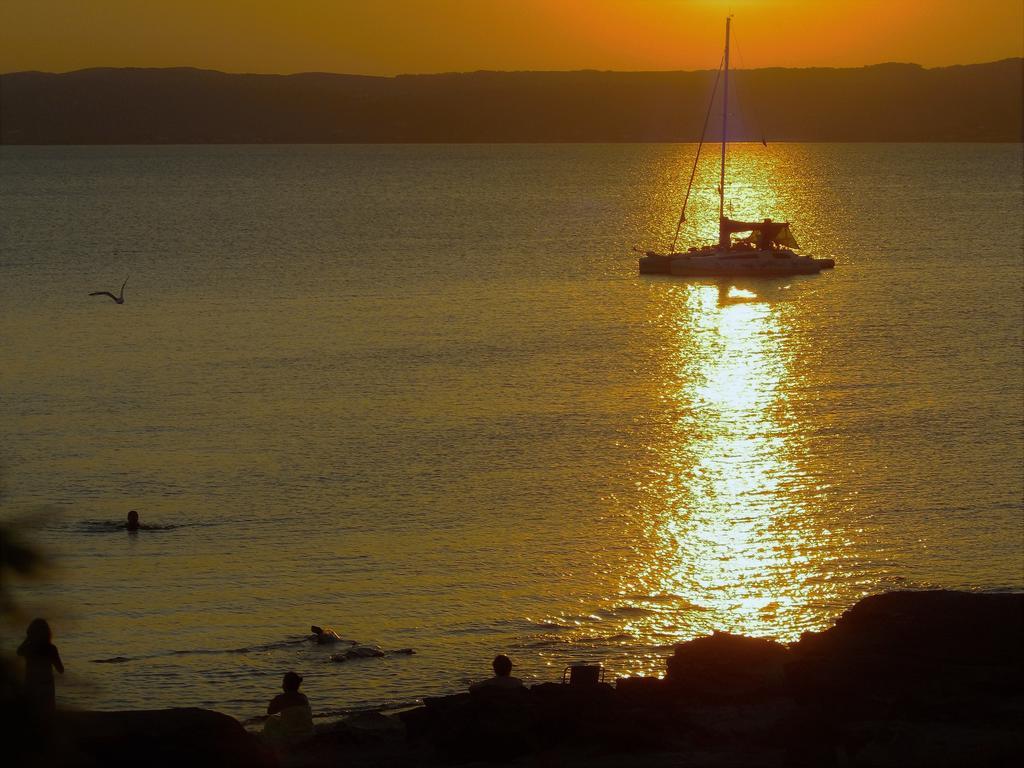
(420, 394)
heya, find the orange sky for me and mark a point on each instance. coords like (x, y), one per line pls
(385, 37)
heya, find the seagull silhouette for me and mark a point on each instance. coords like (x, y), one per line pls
(119, 299)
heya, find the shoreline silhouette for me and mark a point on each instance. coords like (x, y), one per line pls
(930, 677)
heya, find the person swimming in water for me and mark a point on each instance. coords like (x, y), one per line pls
(324, 636)
(133, 521)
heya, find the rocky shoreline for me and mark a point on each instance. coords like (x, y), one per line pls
(902, 679)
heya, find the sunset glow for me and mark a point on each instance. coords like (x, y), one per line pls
(418, 36)
(524, 382)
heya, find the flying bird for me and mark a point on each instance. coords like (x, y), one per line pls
(119, 299)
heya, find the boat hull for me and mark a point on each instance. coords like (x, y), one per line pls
(657, 264)
(731, 264)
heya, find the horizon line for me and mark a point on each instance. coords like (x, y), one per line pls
(185, 67)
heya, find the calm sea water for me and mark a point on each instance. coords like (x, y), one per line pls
(420, 394)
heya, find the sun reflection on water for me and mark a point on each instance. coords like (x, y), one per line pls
(731, 520)
(727, 526)
(735, 554)
(732, 539)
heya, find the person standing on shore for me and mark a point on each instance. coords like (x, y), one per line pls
(41, 658)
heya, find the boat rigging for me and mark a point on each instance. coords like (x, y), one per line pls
(766, 251)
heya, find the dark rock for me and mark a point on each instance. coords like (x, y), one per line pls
(916, 655)
(645, 693)
(154, 738)
(961, 627)
(579, 714)
(724, 666)
(495, 726)
(371, 735)
(916, 678)
(899, 744)
(639, 687)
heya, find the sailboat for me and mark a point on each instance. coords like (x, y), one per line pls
(766, 251)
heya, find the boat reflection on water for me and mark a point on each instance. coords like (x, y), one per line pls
(764, 290)
(733, 539)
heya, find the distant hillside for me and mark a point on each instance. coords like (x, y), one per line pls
(888, 102)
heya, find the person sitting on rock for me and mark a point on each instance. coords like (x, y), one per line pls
(324, 635)
(291, 718)
(502, 680)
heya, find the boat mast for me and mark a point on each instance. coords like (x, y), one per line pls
(723, 236)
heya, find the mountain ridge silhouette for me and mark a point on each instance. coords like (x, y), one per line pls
(184, 105)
